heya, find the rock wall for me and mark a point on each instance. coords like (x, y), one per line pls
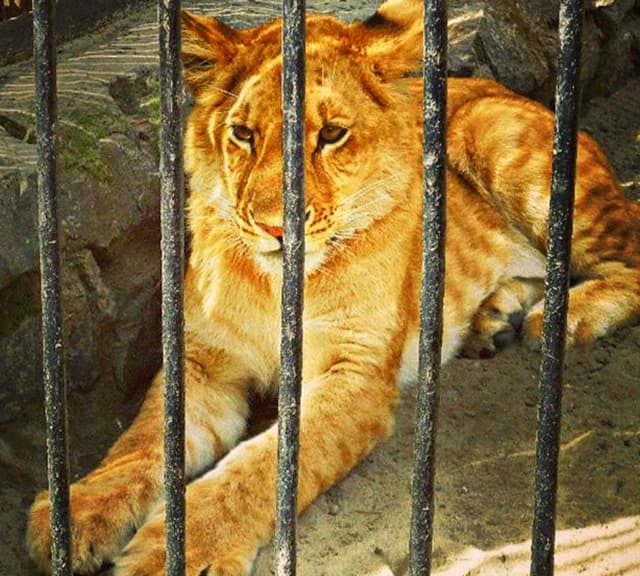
(516, 43)
(108, 175)
(109, 205)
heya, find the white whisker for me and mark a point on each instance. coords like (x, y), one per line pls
(226, 92)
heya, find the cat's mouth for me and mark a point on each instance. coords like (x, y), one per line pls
(266, 247)
(271, 260)
(269, 246)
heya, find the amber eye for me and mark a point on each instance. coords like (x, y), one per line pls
(242, 133)
(330, 134)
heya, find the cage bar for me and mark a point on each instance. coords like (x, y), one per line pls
(433, 262)
(55, 386)
(556, 287)
(293, 75)
(172, 244)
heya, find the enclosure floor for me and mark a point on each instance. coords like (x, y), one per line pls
(485, 464)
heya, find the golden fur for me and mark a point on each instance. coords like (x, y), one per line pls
(363, 238)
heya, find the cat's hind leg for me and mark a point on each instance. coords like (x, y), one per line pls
(504, 146)
(597, 306)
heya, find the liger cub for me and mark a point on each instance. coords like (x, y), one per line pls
(363, 171)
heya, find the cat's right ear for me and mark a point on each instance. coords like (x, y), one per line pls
(208, 45)
(392, 38)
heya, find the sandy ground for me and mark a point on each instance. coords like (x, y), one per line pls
(485, 454)
(484, 486)
(485, 463)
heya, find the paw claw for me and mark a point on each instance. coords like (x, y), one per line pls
(98, 531)
(516, 319)
(500, 318)
(503, 338)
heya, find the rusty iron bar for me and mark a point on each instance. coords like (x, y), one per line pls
(556, 286)
(293, 78)
(172, 244)
(55, 385)
(433, 264)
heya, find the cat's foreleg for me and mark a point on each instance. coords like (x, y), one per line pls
(231, 510)
(113, 500)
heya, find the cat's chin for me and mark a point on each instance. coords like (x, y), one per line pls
(271, 262)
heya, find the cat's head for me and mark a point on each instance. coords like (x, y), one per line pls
(360, 135)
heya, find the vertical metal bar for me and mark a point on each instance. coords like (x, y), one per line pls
(293, 75)
(172, 243)
(434, 174)
(55, 387)
(557, 287)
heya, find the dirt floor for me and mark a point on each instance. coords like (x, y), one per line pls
(485, 462)
(485, 454)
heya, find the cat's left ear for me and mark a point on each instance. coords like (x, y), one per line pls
(392, 38)
(208, 46)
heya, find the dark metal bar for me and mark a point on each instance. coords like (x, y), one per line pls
(293, 75)
(172, 223)
(434, 223)
(55, 386)
(556, 287)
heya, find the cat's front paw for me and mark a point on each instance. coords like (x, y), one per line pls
(100, 526)
(206, 555)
